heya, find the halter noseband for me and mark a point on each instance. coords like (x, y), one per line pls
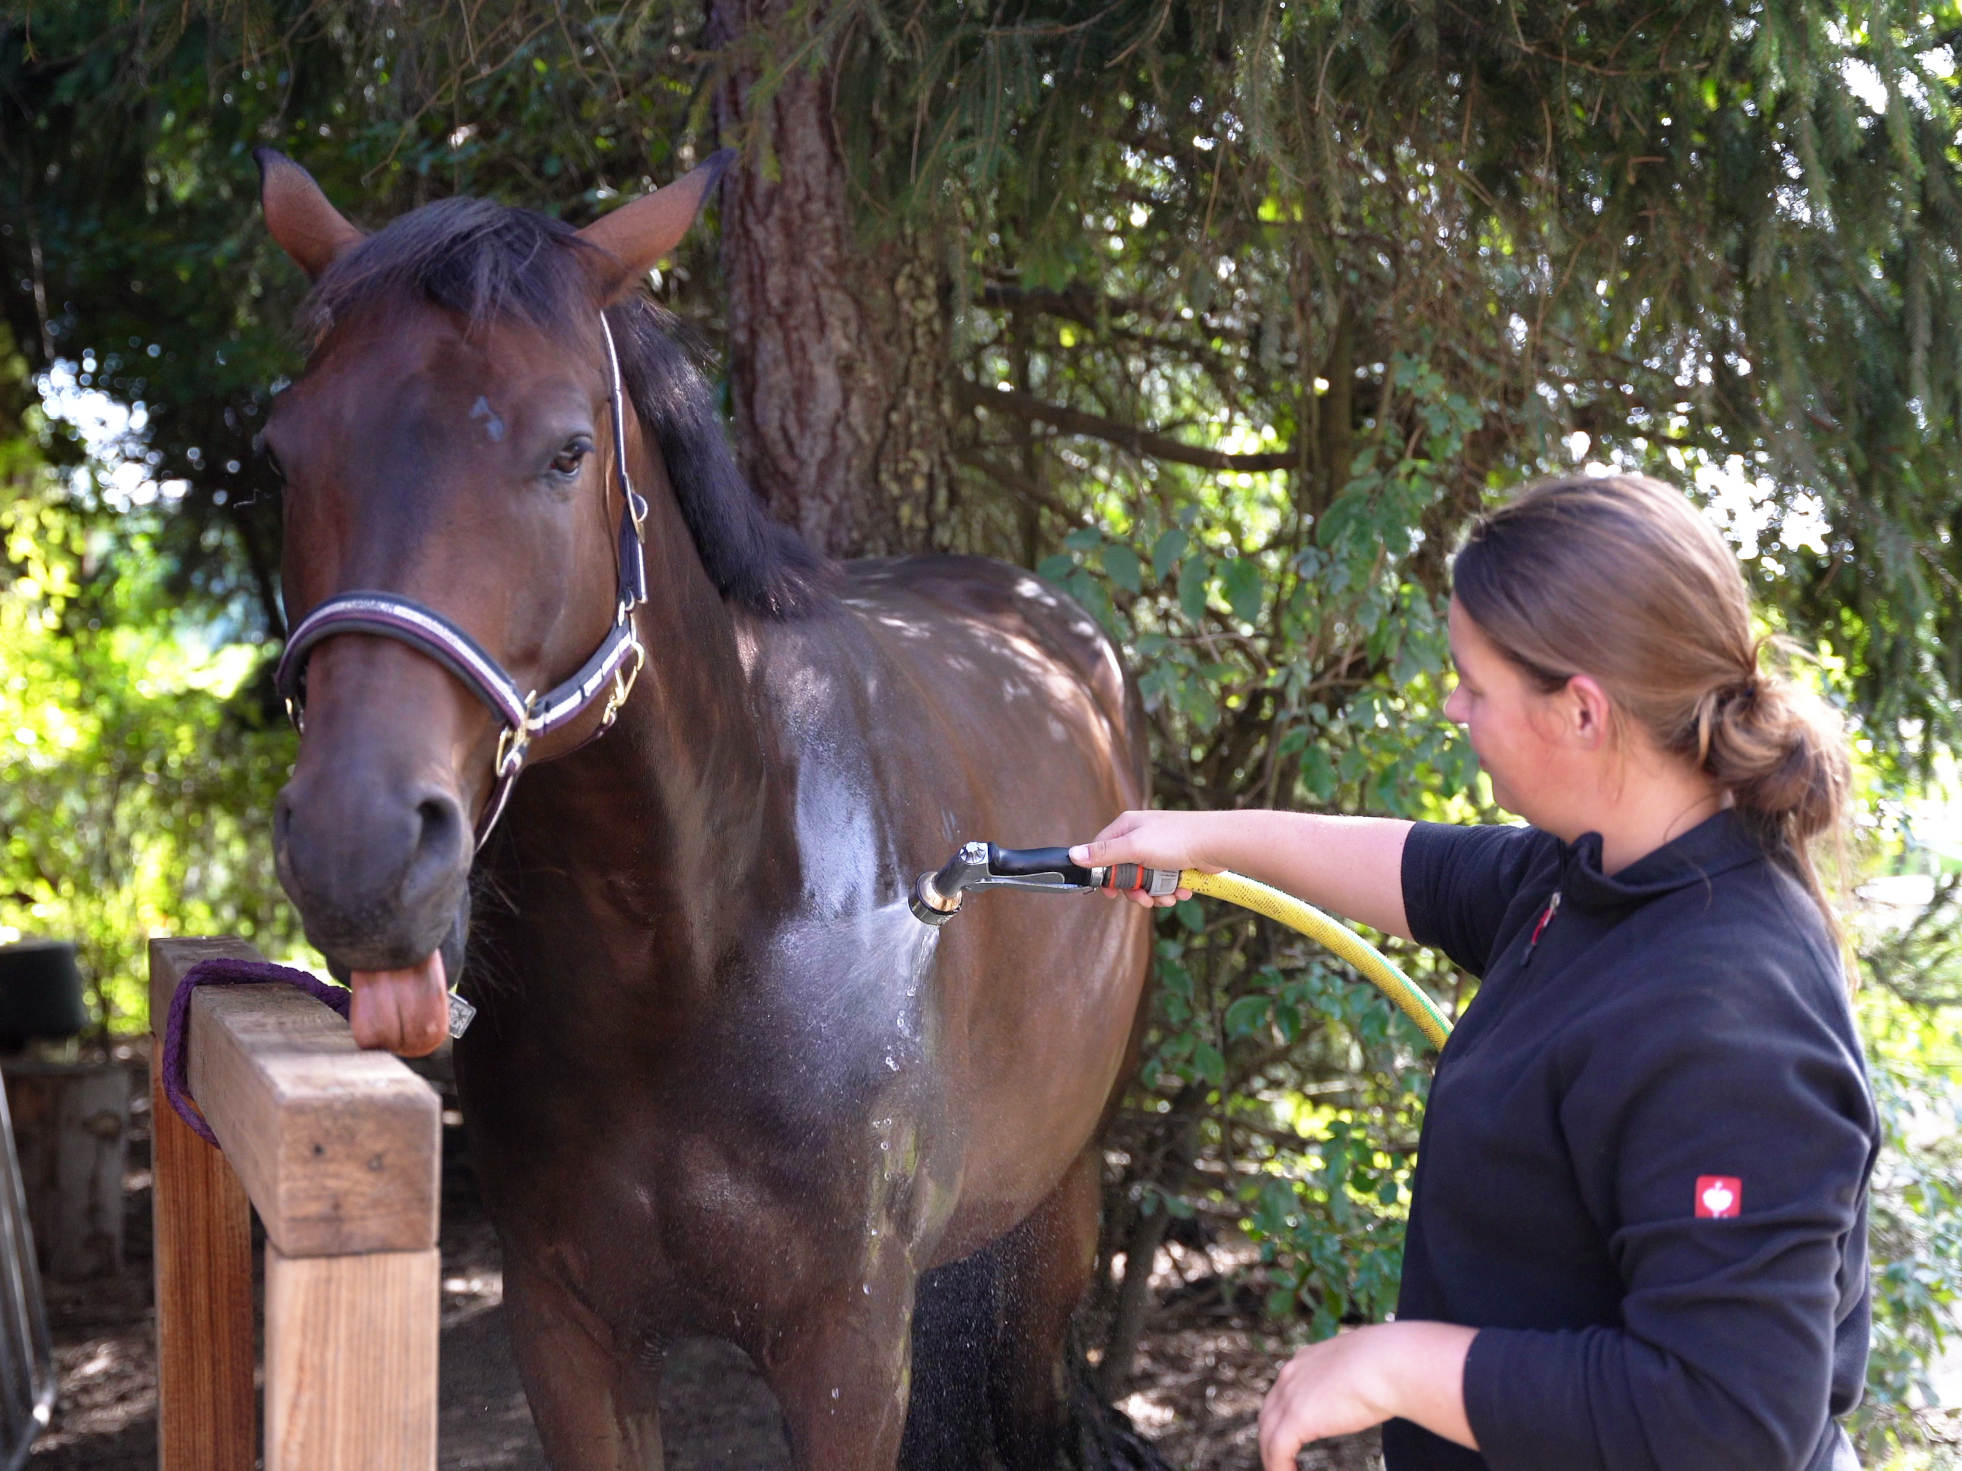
(611, 670)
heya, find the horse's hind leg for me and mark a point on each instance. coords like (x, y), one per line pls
(1046, 1265)
(594, 1412)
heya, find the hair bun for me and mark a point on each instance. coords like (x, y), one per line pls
(1780, 752)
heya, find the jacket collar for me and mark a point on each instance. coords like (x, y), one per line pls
(1711, 847)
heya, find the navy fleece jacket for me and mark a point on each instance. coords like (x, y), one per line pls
(1673, 1029)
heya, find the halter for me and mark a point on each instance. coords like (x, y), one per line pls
(611, 670)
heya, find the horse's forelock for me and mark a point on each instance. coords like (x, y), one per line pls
(480, 260)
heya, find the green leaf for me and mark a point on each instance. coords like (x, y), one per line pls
(1210, 1064)
(1121, 563)
(1246, 1016)
(1318, 773)
(1166, 551)
(1241, 579)
(1192, 591)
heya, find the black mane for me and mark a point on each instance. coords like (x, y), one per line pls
(485, 261)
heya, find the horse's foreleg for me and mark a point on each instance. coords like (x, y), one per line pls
(841, 1377)
(595, 1408)
(1045, 1265)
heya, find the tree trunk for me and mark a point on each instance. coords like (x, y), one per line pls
(838, 346)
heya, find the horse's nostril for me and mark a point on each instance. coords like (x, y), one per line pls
(439, 841)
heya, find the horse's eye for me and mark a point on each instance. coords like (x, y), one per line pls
(566, 461)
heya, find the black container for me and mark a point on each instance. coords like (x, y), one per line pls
(40, 992)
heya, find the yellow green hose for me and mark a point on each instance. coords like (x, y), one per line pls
(1365, 957)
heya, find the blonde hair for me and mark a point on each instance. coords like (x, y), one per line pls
(1620, 578)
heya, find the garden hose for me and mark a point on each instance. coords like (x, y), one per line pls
(1376, 967)
(936, 898)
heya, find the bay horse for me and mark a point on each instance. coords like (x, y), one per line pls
(721, 1082)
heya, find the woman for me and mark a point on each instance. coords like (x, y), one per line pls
(1638, 1222)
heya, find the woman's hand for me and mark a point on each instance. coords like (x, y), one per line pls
(1362, 1378)
(1153, 840)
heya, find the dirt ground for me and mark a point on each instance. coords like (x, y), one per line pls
(1202, 1365)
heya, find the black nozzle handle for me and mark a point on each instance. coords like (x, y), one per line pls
(1122, 878)
(1015, 863)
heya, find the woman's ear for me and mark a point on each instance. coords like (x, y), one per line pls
(1589, 712)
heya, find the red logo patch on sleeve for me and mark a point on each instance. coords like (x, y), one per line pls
(1719, 1197)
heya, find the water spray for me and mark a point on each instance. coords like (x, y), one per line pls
(937, 896)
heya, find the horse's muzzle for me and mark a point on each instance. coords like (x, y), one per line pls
(379, 883)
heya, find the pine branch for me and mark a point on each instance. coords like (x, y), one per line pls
(1140, 442)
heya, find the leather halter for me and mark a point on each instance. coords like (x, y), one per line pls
(611, 670)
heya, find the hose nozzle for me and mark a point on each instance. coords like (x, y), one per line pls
(936, 896)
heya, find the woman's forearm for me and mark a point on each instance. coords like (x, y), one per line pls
(1352, 866)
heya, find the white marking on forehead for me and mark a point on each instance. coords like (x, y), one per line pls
(493, 423)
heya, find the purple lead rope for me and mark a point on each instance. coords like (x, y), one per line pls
(222, 972)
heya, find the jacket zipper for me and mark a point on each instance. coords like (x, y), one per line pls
(1546, 918)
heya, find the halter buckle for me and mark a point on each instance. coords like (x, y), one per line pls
(515, 741)
(623, 685)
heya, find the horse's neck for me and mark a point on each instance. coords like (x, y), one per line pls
(676, 805)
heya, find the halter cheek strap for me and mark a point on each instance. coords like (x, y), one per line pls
(610, 671)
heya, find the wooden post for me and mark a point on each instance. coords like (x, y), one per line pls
(338, 1150)
(351, 1361)
(206, 1416)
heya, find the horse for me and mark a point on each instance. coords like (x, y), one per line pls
(661, 775)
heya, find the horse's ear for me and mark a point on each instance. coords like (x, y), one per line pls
(636, 236)
(306, 226)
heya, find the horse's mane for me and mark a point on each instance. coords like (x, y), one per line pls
(486, 261)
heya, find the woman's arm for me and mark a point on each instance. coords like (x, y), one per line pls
(1351, 865)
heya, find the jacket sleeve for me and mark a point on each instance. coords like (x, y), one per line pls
(1458, 883)
(1724, 1354)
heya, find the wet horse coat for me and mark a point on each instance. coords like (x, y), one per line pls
(721, 1081)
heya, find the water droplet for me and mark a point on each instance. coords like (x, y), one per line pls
(866, 1288)
(891, 1066)
(834, 1394)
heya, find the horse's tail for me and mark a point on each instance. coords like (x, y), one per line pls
(1102, 1437)
(949, 1418)
(958, 1417)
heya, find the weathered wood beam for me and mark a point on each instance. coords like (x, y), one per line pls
(339, 1149)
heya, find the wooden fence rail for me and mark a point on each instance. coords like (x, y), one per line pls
(338, 1151)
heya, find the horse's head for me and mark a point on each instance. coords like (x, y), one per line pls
(458, 548)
